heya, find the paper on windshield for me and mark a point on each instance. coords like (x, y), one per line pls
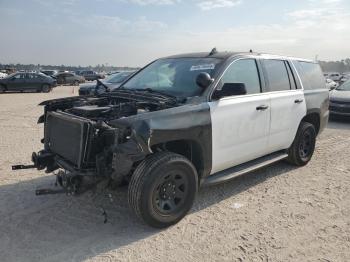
(203, 67)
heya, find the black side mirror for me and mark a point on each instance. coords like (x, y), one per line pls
(230, 89)
(204, 80)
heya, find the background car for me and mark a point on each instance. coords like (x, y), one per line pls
(90, 75)
(340, 100)
(331, 84)
(69, 78)
(49, 72)
(27, 82)
(111, 82)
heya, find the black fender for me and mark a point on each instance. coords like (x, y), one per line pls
(188, 122)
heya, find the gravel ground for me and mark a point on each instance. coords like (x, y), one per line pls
(280, 213)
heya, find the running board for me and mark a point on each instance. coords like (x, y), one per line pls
(245, 168)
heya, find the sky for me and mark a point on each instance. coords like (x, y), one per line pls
(135, 32)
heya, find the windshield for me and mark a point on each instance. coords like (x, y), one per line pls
(173, 76)
(344, 87)
(118, 77)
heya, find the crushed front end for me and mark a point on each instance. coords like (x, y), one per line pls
(85, 143)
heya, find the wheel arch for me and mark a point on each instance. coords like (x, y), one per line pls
(190, 149)
(313, 117)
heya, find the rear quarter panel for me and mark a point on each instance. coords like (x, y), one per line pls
(317, 101)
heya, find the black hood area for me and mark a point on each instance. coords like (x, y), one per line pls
(111, 106)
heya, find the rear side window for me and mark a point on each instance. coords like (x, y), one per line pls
(277, 75)
(311, 75)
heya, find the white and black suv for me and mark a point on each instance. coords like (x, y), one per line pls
(183, 122)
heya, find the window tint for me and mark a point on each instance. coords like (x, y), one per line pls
(243, 71)
(32, 76)
(311, 75)
(174, 76)
(277, 75)
(18, 76)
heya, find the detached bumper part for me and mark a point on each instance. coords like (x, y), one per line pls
(41, 160)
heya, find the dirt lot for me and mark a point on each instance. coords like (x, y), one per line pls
(280, 213)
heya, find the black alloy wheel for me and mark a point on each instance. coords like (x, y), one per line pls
(162, 189)
(306, 144)
(170, 193)
(303, 147)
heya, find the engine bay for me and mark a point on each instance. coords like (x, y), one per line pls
(110, 107)
(110, 111)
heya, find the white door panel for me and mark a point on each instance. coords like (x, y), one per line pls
(239, 131)
(286, 115)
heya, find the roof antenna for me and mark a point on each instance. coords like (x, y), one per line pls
(213, 51)
(250, 51)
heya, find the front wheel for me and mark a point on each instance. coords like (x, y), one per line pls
(76, 83)
(45, 88)
(303, 147)
(162, 189)
(2, 89)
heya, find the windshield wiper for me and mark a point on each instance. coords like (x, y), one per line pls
(150, 90)
(162, 94)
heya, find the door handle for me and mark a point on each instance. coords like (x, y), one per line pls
(298, 101)
(262, 108)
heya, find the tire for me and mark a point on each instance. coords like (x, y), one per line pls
(45, 88)
(162, 189)
(76, 83)
(2, 89)
(303, 147)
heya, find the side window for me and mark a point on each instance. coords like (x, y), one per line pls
(243, 71)
(18, 76)
(277, 75)
(311, 75)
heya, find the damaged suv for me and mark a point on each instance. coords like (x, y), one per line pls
(183, 122)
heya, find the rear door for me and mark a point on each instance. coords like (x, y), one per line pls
(240, 124)
(287, 103)
(69, 78)
(32, 81)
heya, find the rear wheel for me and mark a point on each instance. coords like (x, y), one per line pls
(45, 88)
(76, 83)
(303, 147)
(162, 189)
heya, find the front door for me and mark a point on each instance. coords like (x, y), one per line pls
(17, 82)
(240, 124)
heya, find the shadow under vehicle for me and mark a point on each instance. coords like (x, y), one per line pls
(21, 82)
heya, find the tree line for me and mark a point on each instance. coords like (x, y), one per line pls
(38, 67)
(341, 66)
